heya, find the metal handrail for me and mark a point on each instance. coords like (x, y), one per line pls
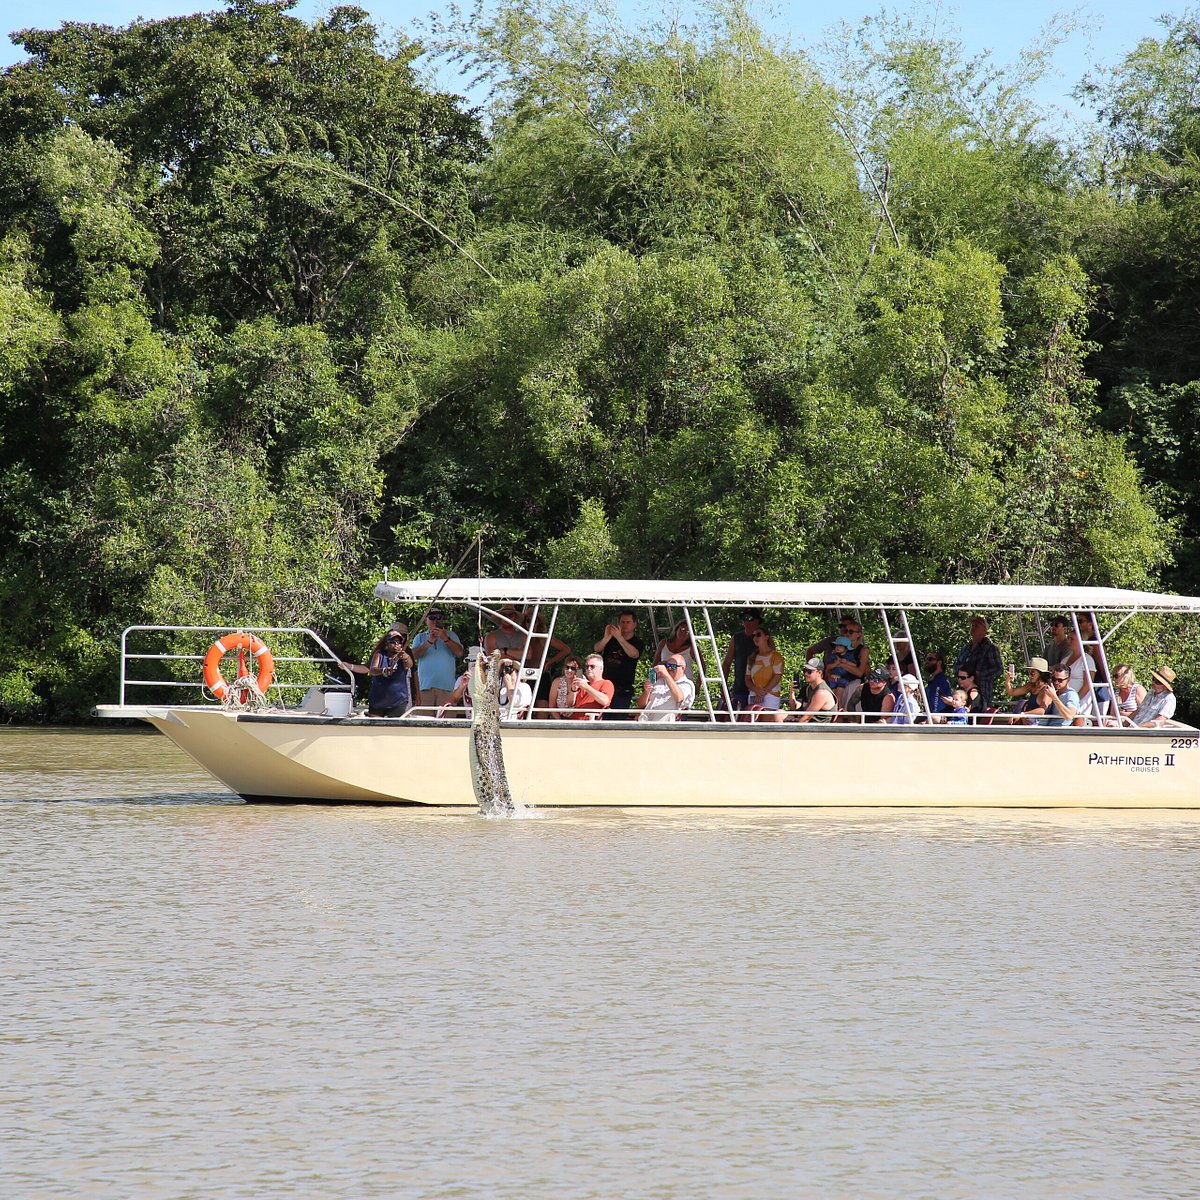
(325, 659)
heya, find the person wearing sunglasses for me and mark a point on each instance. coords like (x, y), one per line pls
(877, 699)
(507, 636)
(667, 691)
(1082, 668)
(764, 673)
(678, 641)
(591, 693)
(819, 704)
(561, 699)
(1035, 685)
(1130, 693)
(1055, 704)
(966, 681)
(437, 651)
(390, 669)
(847, 661)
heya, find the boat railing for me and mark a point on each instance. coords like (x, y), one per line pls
(154, 657)
(758, 720)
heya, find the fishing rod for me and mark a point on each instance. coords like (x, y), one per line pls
(476, 541)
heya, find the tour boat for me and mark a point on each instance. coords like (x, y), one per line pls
(322, 748)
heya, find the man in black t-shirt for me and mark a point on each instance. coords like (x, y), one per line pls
(621, 649)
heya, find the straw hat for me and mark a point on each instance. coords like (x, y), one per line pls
(1038, 663)
(1165, 676)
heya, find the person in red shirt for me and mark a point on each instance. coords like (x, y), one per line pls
(592, 693)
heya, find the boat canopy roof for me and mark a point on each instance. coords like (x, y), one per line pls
(679, 592)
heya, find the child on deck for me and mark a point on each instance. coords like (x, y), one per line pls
(956, 709)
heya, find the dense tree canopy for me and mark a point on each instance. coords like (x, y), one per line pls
(274, 314)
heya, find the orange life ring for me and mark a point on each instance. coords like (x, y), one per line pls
(213, 678)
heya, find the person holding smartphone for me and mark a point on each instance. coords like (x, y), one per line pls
(437, 651)
(1035, 691)
(390, 669)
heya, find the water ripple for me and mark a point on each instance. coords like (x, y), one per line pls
(205, 999)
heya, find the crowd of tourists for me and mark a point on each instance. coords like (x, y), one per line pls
(837, 682)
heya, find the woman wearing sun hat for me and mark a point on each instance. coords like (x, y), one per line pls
(1039, 681)
(1158, 708)
(907, 707)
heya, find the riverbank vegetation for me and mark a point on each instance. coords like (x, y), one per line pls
(276, 313)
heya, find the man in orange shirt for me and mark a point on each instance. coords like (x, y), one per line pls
(592, 694)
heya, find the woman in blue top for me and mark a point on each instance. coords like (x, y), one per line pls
(390, 669)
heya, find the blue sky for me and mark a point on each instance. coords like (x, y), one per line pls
(1106, 29)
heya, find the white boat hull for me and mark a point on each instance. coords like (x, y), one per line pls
(298, 758)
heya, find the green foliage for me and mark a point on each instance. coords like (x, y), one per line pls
(208, 224)
(954, 149)
(1146, 259)
(693, 138)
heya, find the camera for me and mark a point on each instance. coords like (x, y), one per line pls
(439, 623)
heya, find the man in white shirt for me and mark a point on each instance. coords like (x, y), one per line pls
(667, 691)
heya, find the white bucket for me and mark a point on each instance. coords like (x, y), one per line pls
(337, 704)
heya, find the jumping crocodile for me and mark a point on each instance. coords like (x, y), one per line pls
(487, 755)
